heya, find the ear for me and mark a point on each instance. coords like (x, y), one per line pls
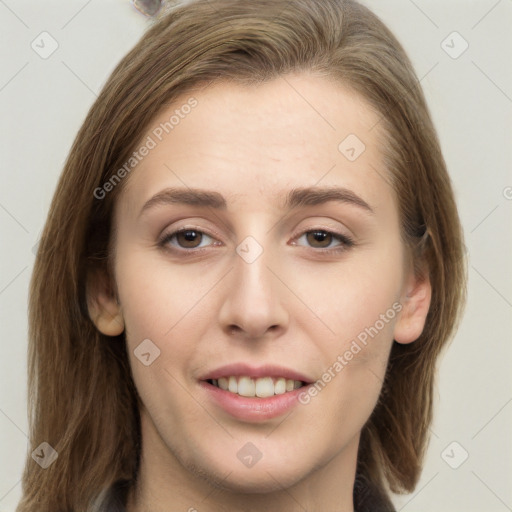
(103, 305)
(415, 302)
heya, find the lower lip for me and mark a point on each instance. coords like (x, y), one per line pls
(253, 409)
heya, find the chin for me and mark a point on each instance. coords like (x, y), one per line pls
(259, 479)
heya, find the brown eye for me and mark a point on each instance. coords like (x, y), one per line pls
(325, 241)
(186, 239)
(319, 239)
(189, 239)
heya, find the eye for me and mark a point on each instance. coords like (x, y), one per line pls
(323, 239)
(186, 239)
(191, 238)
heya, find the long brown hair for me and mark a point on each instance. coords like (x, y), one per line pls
(82, 399)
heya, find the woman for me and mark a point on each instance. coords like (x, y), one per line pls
(251, 264)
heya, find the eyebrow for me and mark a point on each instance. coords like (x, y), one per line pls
(311, 196)
(296, 197)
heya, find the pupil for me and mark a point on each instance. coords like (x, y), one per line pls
(319, 236)
(189, 237)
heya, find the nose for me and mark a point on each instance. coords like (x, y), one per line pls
(253, 304)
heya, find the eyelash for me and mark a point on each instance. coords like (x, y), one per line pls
(345, 241)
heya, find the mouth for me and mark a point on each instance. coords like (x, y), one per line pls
(254, 393)
(262, 387)
(253, 400)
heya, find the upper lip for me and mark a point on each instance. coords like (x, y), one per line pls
(244, 369)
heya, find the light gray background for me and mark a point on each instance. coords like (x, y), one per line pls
(44, 101)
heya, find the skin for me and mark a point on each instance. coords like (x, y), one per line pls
(295, 305)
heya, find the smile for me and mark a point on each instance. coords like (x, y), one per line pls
(262, 387)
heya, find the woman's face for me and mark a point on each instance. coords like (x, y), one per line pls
(289, 267)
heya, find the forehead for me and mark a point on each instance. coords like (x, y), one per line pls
(246, 141)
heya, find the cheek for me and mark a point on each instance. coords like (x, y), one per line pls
(158, 309)
(155, 297)
(358, 305)
(353, 296)
(354, 369)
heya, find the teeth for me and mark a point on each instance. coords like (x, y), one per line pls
(262, 387)
(246, 386)
(280, 386)
(233, 385)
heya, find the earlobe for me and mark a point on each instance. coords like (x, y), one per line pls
(109, 324)
(415, 306)
(104, 308)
